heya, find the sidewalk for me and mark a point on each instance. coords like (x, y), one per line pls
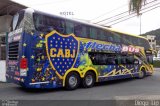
(157, 69)
(2, 70)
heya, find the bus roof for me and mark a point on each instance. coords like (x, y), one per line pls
(88, 23)
(114, 30)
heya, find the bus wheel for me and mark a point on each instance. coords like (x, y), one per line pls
(72, 81)
(88, 80)
(142, 74)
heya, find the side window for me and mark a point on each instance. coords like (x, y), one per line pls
(129, 38)
(69, 27)
(145, 44)
(60, 26)
(139, 41)
(111, 59)
(93, 33)
(108, 59)
(47, 24)
(80, 30)
(116, 37)
(130, 59)
(38, 21)
(52, 23)
(118, 59)
(120, 35)
(85, 31)
(101, 35)
(123, 60)
(109, 36)
(135, 41)
(125, 40)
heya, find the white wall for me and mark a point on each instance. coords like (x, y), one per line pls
(2, 70)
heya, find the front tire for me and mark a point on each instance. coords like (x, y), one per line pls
(72, 81)
(88, 80)
(142, 74)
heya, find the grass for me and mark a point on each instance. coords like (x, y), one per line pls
(156, 63)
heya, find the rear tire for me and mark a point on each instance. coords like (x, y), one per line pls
(88, 80)
(72, 81)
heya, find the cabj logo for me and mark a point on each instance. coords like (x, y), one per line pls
(62, 51)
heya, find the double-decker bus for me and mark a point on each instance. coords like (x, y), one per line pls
(48, 51)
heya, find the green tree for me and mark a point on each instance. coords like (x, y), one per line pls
(136, 5)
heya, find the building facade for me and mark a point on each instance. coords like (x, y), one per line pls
(8, 9)
(152, 41)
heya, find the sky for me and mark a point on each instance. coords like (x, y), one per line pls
(97, 10)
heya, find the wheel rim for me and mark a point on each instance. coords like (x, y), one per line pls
(89, 80)
(141, 74)
(72, 81)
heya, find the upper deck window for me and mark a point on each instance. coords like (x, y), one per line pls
(46, 23)
(69, 27)
(144, 43)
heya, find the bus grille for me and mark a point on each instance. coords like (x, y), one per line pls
(13, 50)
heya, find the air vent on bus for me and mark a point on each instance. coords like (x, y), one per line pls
(13, 50)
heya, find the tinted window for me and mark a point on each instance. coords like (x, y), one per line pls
(126, 39)
(97, 59)
(131, 40)
(123, 60)
(118, 59)
(144, 43)
(116, 37)
(134, 40)
(101, 35)
(78, 30)
(111, 59)
(81, 30)
(69, 27)
(110, 36)
(93, 33)
(48, 23)
(139, 42)
(130, 59)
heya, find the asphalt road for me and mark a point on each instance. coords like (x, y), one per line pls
(147, 88)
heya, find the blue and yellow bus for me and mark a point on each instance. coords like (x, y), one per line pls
(48, 51)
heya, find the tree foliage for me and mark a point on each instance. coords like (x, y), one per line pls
(156, 33)
(136, 5)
